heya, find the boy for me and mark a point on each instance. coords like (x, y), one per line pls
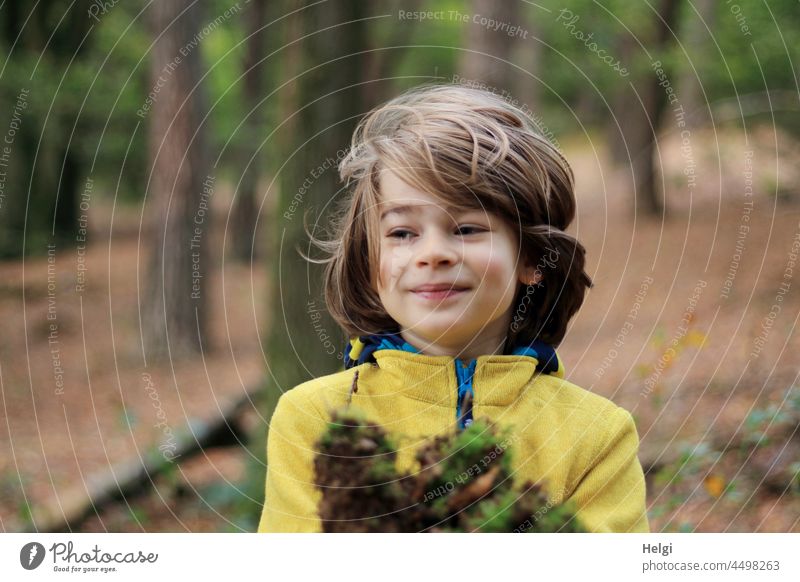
(451, 271)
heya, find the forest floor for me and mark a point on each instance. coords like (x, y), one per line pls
(82, 403)
(690, 332)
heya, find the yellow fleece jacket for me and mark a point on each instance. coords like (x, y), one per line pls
(581, 445)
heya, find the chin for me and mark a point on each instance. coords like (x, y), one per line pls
(441, 336)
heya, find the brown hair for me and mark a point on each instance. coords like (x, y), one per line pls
(470, 148)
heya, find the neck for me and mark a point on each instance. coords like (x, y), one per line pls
(469, 351)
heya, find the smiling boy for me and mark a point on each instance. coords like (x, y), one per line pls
(452, 273)
(438, 265)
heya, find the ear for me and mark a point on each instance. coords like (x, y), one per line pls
(529, 275)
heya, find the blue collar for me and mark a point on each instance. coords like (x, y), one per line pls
(362, 349)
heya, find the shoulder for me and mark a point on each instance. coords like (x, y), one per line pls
(593, 428)
(561, 393)
(583, 414)
(323, 394)
(302, 413)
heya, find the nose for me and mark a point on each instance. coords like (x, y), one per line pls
(436, 249)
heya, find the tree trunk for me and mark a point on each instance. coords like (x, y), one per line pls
(527, 54)
(639, 116)
(698, 41)
(44, 164)
(382, 62)
(181, 188)
(246, 246)
(303, 341)
(481, 62)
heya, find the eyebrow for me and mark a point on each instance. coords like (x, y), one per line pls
(404, 209)
(414, 208)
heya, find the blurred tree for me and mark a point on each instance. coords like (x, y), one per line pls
(322, 103)
(48, 45)
(699, 21)
(639, 107)
(527, 55)
(245, 218)
(387, 46)
(180, 187)
(749, 62)
(487, 48)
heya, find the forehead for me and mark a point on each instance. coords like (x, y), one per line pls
(397, 198)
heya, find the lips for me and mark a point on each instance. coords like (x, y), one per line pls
(439, 291)
(439, 287)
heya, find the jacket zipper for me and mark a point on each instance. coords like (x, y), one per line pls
(464, 377)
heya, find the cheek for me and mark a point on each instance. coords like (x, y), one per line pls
(494, 263)
(497, 271)
(393, 263)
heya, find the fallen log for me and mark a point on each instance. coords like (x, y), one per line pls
(132, 477)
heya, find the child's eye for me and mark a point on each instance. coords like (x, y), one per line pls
(470, 229)
(400, 234)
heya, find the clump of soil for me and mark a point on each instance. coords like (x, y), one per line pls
(463, 484)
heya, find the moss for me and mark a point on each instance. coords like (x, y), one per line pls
(463, 485)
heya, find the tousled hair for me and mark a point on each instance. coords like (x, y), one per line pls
(469, 148)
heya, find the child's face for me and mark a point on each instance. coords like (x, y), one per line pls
(470, 255)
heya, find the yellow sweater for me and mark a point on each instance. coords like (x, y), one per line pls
(581, 445)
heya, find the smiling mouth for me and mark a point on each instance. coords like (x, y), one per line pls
(439, 294)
